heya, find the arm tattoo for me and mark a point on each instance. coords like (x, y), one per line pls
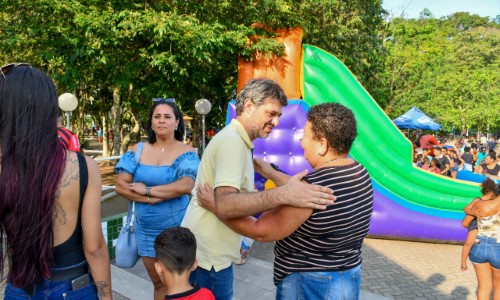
(101, 288)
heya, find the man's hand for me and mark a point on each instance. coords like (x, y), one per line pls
(301, 194)
(262, 167)
(206, 197)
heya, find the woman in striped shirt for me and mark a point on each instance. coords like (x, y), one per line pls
(318, 252)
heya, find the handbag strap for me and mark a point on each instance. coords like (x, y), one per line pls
(138, 152)
(132, 217)
(137, 155)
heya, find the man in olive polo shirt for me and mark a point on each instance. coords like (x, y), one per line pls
(227, 166)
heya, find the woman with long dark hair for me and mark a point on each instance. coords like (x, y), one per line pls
(157, 176)
(49, 198)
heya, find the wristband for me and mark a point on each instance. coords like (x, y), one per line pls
(148, 191)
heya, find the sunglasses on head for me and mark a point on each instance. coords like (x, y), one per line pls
(6, 68)
(164, 100)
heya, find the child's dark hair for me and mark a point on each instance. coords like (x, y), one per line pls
(488, 186)
(176, 249)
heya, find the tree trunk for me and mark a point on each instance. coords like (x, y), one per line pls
(105, 145)
(463, 120)
(117, 120)
(196, 130)
(133, 135)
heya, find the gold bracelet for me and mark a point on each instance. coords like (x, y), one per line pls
(149, 201)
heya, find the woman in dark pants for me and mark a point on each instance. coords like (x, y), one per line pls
(50, 198)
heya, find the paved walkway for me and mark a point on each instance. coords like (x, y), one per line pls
(391, 270)
(411, 270)
(253, 280)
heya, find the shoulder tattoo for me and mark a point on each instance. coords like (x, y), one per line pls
(59, 213)
(71, 172)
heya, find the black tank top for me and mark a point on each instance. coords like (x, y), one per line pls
(71, 251)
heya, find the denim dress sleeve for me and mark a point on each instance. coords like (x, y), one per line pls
(127, 164)
(187, 165)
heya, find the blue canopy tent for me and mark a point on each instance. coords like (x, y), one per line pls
(416, 119)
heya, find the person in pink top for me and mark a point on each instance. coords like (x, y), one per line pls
(434, 168)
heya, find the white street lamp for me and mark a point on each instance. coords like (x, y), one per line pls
(203, 107)
(68, 103)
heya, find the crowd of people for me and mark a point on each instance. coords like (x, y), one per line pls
(318, 220)
(463, 154)
(42, 228)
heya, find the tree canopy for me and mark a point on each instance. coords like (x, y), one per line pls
(117, 55)
(448, 67)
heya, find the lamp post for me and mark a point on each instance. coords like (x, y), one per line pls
(203, 107)
(68, 103)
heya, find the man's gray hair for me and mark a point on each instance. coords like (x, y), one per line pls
(260, 90)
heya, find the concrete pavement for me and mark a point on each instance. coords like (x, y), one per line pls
(253, 280)
(414, 270)
(391, 270)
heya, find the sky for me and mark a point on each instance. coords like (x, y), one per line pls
(441, 8)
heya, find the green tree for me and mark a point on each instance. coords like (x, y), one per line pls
(117, 55)
(447, 67)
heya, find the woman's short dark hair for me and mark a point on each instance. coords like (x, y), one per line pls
(179, 131)
(335, 123)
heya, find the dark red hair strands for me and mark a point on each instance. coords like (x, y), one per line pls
(32, 163)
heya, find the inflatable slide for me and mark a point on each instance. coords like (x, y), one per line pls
(409, 203)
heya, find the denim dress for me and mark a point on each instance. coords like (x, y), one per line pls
(153, 219)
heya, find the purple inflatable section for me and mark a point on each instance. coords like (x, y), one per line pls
(392, 220)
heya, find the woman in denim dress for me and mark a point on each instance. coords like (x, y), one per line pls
(158, 175)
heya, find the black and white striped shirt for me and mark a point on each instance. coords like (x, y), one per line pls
(330, 240)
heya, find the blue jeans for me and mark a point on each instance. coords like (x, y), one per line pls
(220, 283)
(341, 285)
(52, 290)
(487, 250)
